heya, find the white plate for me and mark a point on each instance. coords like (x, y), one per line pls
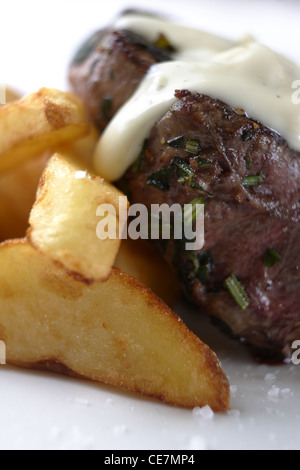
(42, 411)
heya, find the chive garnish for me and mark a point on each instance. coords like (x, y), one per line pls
(203, 163)
(271, 258)
(192, 146)
(237, 291)
(193, 209)
(185, 172)
(249, 163)
(161, 179)
(248, 135)
(187, 176)
(202, 265)
(163, 42)
(254, 180)
(106, 107)
(177, 142)
(136, 167)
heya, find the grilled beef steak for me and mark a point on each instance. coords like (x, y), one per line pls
(251, 216)
(108, 68)
(248, 273)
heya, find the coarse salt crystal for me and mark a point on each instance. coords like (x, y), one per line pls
(270, 377)
(205, 413)
(274, 393)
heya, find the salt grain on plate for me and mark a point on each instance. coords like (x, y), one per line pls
(270, 377)
(205, 413)
(273, 394)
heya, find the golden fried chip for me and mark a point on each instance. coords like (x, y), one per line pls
(64, 220)
(38, 122)
(117, 332)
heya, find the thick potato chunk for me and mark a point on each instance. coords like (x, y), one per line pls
(63, 221)
(116, 332)
(38, 122)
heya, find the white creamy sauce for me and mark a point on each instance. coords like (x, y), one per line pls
(245, 75)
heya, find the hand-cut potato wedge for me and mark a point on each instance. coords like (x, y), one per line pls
(141, 260)
(38, 122)
(117, 332)
(63, 220)
(17, 195)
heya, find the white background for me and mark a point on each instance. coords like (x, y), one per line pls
(40, 411)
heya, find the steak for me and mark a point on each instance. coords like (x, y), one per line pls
(108, 68)
(245, 173)
(250, 180)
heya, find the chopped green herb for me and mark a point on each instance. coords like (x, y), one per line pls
(193, 209)
(161, 179)
(192, 146)
(185, 172)
(136, 167)
(248, 135)
(249, 163)
(271, 258)
(202, 265)
(254, 180)
(187, 176)
(197, 187)
(106, 107)
(205, 267)
(237, 291)
(177, 142)
(163, 42)
(203, 163)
